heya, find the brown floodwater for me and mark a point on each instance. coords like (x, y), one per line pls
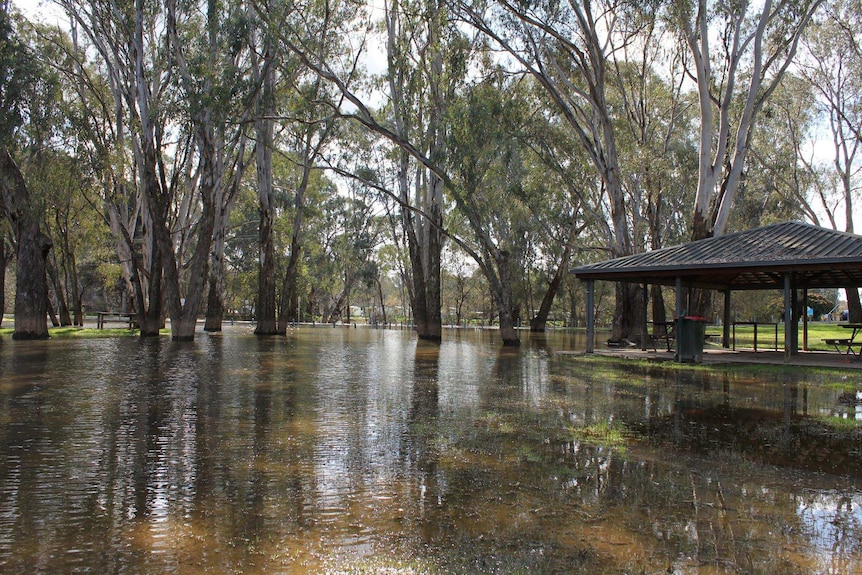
(367, 451)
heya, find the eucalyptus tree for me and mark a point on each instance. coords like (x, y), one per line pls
(129, 45)
(265, 65)
(565, 47)
(59, 176)
(777, 181)
(104, 147)
(24, 85)
(738, 54)
(487, 172)
(166, 99)
(832, 65)
(309, 130)
(424, 70)
(75, 228)
(555, 189)
(427, 55)
(215, 110)
(291, 120)
(654, 135)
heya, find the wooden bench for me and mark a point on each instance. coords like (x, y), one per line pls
(668, 339)
(842, 345)
(105, 316)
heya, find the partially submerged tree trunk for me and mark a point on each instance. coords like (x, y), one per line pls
(265, 312)
(31, 295)
(225, 194)
(423, 234)
(506, 305)
(215, 301)
(4, 263)
(289, 311)
(65, 318)
(539, 322)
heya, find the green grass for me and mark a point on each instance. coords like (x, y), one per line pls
(817, 332)
(609, 434)
(82, 332)
(621, 367)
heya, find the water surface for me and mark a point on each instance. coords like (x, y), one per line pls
(359, 450)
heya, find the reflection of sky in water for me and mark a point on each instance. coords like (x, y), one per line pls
(830, 520)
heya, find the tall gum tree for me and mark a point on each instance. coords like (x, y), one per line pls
(31, 289)
(174, 171)
(421, 72)
(425, 74)
(739, 52)
(488, 171)
(832, 66)
(97, 89)
(564, 46)
(310, 131)
(20, 76)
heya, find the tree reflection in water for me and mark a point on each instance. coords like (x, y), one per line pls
(369, 451)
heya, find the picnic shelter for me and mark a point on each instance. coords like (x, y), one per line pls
(793, 257)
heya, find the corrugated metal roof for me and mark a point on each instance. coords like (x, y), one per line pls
(752, 259)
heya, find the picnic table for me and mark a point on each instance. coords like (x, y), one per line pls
(103, 316)
(665, 331)
(845, 344)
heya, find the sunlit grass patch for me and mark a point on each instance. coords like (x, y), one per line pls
(846, 386)
(621, 368)
(610, 434)
(87, 332)
(842, 424)
(381, 565)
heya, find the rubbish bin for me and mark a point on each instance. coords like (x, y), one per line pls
(690, 332)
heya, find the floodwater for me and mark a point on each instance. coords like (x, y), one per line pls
(367, 451)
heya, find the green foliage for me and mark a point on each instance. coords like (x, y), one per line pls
(21, 76)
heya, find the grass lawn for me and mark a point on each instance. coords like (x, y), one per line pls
(817, 332)
(73, 331)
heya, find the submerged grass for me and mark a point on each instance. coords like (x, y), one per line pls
(608, 434)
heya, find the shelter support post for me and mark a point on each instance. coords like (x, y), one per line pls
(805, 319)
(794, 316)
(645, 318)
(788, 317)
(591, 316)
(725, 333)
(678, 310)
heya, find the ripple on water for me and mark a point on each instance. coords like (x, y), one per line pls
(331, 448)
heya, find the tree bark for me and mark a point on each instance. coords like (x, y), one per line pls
(4, 263)
(290, 292)
(538, 324)
(65, 318)
(424, 239)
(506, 304)
(31, 294)
(265, 312)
